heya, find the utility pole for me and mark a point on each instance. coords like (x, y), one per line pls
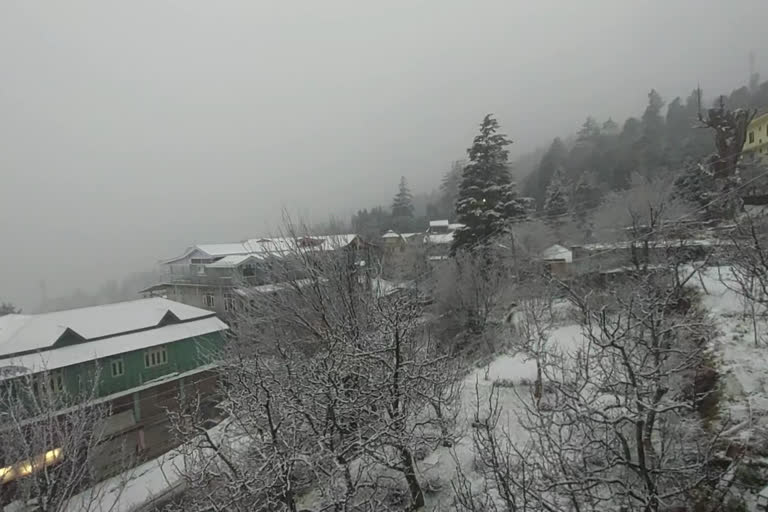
(754, 76)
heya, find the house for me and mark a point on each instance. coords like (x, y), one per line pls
(439, 238)
(757, 138)
(137, 357)
(208, 275)
(392, 241)
(557, 259)
(438, 226)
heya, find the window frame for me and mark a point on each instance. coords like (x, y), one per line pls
(155, 356)
(230, 303)
(212, 298)
(116, 361)
(52, 381)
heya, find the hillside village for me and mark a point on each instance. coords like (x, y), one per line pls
(593, 339)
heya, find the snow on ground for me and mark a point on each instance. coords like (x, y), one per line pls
(743, 366)
(519, 369)
(136, 488)
(743, 360)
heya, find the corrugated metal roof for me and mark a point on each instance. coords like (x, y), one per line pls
(272, 245)
(235, 260)
(224, 249)
(557, 252)
(108, 347)
(20, 333)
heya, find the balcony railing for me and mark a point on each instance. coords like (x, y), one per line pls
(219, 281)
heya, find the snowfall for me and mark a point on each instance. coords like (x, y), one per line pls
(743, 367)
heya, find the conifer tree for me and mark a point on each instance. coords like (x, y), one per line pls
(556, 201)
(402, 207)
(585, 197)
(487, 200)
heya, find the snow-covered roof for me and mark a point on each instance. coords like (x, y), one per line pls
(682, 242)
(106, 347)
(438, 238)
(223, 249)
(235, 260)
(455, 226)
(404, 236)
(211, 250)
(273, 245)
(273, 287)
(269, 245)
(22, 333)
(557, 252)
(439, 223)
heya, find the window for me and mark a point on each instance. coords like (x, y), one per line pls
(155, 357)
(229, 303)
(209, 300)
(52, 382)
(751, 137)
(116, 365)
(56, 381)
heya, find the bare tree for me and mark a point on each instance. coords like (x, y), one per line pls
(730, 131)
(620, 423)
(56, 447)
(332, 391)
(534, 322)
(470, 287)
(747, 272)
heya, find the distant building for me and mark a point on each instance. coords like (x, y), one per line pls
(144, 353)
(757, 138)
(557, 259)
(394, 242)
(209, 275)
(438, 239)
(438, 226)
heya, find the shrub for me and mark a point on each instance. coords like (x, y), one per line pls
(750, 477)
(503, 383)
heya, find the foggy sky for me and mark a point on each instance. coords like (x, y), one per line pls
(130, 130)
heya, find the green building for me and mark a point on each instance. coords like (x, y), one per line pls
(139, 357)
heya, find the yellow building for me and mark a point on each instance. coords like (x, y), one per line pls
(757, 137)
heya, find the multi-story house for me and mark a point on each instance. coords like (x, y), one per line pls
(211, 276)
(137, 357)
(757, 138)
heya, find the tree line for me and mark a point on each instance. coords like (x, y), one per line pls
(574, 174)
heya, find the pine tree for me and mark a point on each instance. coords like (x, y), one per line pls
(556, 202)
(696, 185)
(402, 208)
(487, 201)
(653, 132)
(584, 199)
(449, 190)
(536, 184)
(589, 131)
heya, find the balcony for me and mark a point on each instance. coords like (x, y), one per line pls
(214, 281)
